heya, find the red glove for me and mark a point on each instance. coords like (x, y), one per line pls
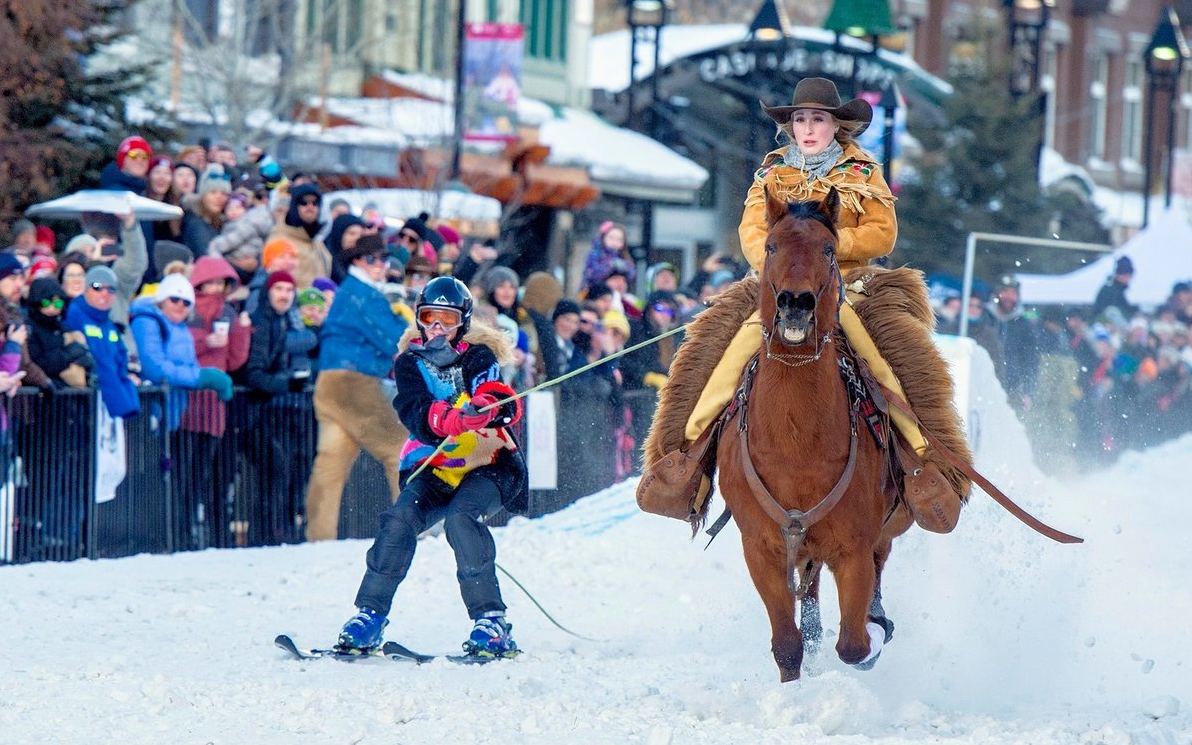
(509, 412)
(483, 400)
(447, 421)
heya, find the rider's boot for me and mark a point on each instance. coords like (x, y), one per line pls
(677, 483)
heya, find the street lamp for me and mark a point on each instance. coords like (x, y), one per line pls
(1164, 61)
(646, 19)
(1027, 21)
(771, 22)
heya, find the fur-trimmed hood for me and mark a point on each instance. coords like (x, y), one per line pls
(479, 333)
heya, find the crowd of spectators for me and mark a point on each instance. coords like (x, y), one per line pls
(1089, 381)
(261, 284)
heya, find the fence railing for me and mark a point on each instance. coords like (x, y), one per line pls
(226, 475)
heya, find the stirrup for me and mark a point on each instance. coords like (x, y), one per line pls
(932, 501)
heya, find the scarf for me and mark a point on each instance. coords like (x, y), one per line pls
(815, 166)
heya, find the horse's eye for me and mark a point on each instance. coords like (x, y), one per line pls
(770, 248)
(828, 249)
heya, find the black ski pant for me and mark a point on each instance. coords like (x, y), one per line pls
(423, 502)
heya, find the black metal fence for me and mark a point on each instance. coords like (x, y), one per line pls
(224, 475)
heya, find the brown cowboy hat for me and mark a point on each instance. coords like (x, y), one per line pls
(821, 93)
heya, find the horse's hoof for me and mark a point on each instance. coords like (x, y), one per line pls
(877, 639)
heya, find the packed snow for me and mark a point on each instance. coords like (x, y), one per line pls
(1001, 635)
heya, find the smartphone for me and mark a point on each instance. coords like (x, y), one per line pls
(112, 249)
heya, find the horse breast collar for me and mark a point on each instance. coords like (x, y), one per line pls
(793, 523)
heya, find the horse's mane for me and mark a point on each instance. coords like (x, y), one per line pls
(811, 211)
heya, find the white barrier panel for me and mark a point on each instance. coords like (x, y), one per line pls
(542, 458)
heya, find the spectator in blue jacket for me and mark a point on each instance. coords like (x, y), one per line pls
(352, 400)
(167, 348)
(89, 315)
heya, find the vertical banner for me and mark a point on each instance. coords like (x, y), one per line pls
(492, 82)
(110, 460)
(540, 447)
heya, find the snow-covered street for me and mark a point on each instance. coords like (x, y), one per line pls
(1002, 637)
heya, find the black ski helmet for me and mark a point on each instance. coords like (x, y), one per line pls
(446, 292)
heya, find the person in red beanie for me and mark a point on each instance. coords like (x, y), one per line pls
(44, 241)
(449, 253)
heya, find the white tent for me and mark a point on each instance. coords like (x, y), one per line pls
(1162, 256)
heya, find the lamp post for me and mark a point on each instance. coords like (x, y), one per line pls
(1164, 61)
(889, 104)
(646, 19)
(1026, 22)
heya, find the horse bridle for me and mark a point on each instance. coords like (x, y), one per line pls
(791, 359)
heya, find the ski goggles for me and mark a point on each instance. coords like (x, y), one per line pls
(448, 318)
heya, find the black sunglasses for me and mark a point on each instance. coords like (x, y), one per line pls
(101, 287)
(374, 259)
(308, 203)
(182, 300)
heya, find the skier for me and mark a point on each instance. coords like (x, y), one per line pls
(443, 383)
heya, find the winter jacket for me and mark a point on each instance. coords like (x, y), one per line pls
(10, 362)
(361, 332)
(107, 347)
(1113, 294)
(34, 375)
(243, 237)
(280, 344)
(205, 412)
(492, 451)
(602, 261)
(47, 343)
(167, 354)
(130, 270)
(334, 243)
(197, 230)
(867, 226)
(313, 258)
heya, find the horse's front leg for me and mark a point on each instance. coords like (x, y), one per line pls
(768, 569)
(855, 580)
(810, 623)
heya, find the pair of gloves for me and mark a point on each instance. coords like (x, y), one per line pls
(446, 420)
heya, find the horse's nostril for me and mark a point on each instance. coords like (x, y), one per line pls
(789, 302)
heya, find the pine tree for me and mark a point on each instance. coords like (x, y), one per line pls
(978, 174)
(59, 123)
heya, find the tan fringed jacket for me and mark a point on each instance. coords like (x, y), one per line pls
(867, 224)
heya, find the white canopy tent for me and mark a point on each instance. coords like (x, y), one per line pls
(1161, 254)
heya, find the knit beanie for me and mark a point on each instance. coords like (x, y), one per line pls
(167, 252)
(311, 296)
(214, 179)
(174, 285)
(275, 249)
(276, 277)
(100, 275)
(322, 284)
(497, 276)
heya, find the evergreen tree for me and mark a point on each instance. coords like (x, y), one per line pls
(978, 173)
(60, 123)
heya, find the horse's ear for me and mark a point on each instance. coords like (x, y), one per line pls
(831, 204)
(775, 208)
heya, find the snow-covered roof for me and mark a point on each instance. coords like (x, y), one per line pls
(608, 54)
(402, 203)
(619, 160)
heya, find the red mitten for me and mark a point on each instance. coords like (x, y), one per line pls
(509, 412)
(474, 419)
(445, 420)
(483, 400)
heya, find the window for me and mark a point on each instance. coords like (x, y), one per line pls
(1098, 106)
(546, 29)
(1132, 93)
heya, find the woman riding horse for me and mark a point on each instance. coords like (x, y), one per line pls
(823, 154)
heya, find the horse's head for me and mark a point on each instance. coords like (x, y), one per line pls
(800, 281)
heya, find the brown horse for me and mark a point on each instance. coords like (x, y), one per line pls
(803, 478)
